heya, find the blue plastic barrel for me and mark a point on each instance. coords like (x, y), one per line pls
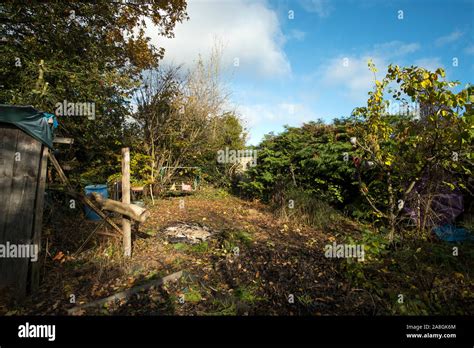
(100, 189)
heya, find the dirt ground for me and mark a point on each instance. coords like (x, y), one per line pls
(253, 264)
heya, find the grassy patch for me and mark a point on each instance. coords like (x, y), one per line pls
(247, 294)
(244, 237)
(212, 193)
(202, 247)
(227, 305)
(150, 232)
(235, 239)
(305, 299)
(227, 247)
(192, 295)
(180, 246)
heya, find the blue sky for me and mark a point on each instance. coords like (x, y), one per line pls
(301, 60)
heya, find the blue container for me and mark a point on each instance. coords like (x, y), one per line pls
(100, 189)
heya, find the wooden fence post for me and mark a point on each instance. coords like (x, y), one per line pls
(126, 223)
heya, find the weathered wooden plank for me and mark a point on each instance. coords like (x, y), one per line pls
(8, 140)
(38, 218)
(29, 152)
(59, 170)
(60, 140)
(8, 136)
(18, 224)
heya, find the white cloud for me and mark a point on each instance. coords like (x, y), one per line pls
(469, 49)
(450, 38)
(322, 7)
(296, 34)
(255, 114)
(395, 48)
(352, 75)
(262, 118)
(248, 31)
(431, 64)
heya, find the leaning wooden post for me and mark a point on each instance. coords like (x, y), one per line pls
(126, 223)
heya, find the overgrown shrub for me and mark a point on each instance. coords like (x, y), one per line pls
(313, 158)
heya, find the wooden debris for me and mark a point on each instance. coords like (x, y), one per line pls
(126, 293)
(60, 140)
(126, 223)
(133, 211)
(82, 197)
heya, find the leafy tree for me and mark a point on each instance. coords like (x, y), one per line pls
(314, 158)
(404, 150)
(184, 121)
(82, 52)
(230, 133)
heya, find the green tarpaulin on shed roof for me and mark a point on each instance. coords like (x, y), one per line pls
(29, 120)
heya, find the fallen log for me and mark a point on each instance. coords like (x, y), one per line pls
(126, 293)
(133, 211)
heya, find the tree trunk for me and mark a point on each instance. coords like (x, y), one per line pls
(126, 223)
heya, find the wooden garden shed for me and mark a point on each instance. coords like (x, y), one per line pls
(25, 139)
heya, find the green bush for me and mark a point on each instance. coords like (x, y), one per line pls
(313, 158)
